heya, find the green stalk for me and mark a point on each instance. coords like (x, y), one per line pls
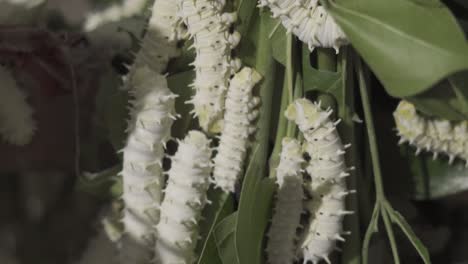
(326, 59)
(280, 131)
(352, 247)
(380, 194)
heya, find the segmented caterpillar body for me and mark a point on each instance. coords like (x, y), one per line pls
(433, 135)
(281, 247)
(159, 44)
(327, 170)
(17, 125)
(309, 21)
(152, 117)
(238, 126)
(185, 197)
(208, 26)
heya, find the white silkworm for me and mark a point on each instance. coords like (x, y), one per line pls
(238, 126)
(17, 125)
(433, 135)
(209, 29)
(309, 21)
(327, 170)
(152, 118)
(114, 13)
(185, 197)
(281, 247)
(159, 44)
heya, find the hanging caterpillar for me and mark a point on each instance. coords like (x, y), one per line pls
(309, 21)
(433, 135)
(288, 209)
(149, 130)
(185, 197)
(238, 118)
(212, 41)
(327, 170)
(17, 125)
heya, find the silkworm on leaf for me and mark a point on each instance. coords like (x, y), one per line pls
(149, 130)
(209, 27)
(185, 197)
(17, 125)
(282, 238)
(238, 126)
(327, 187)
(309, 21)
(438, 136)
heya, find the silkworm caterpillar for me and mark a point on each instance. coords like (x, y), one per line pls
(281, 247)
(149, 130)
(309, 21)
(212, 41)
(159, 44)
(327, 170)
(433, 135)
(114, 13)
(17, 125)
(238, 118)
(185, 197)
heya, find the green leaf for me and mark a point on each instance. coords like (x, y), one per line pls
(447, 100)
(409, 46)
(224, 235)
(179, 84)
(221, 206)
(105, 184)
(406, 228)
(254, 211)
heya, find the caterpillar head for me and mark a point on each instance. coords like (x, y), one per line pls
(245, 79)
(408, 123)
(306, 114)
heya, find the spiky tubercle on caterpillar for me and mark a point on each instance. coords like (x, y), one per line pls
(309, 21)
(433, 135)
(282, 237)
(238, 126)
(327, 170)
(208, 26)
(17, 125)
(185, 197)
(152, 117)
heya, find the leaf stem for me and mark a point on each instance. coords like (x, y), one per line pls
(391, 235)
(362, 79)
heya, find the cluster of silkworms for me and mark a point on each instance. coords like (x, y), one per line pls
(152, 117)
(238, 125)
(438, 136)
(185, 197)
(309, 21)
(282, 235)
(17, 125)
(327, 187)
(209, 27)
